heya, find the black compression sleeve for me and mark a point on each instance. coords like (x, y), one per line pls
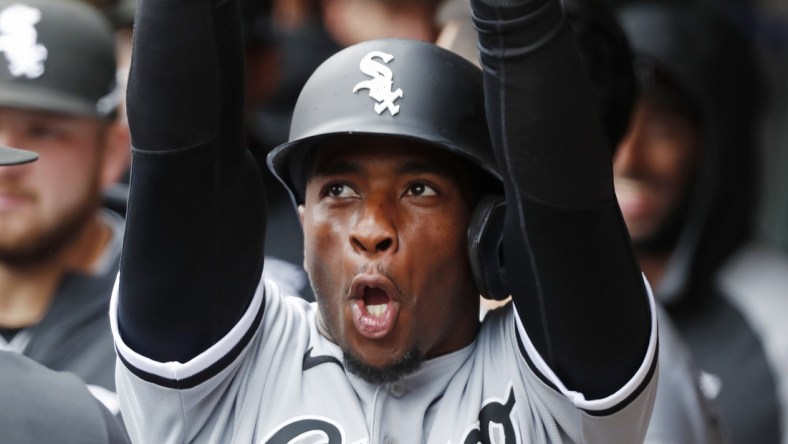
(193, 249)
(573, 276)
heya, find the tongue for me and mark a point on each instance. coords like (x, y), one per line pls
(375, 296)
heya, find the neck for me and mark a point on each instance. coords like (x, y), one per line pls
(27, 290)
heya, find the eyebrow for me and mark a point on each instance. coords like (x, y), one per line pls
(422, 167)
(339, 168)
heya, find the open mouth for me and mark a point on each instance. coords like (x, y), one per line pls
(376, 300)
(374, 311)
(635, 198)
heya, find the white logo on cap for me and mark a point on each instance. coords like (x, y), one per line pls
(380, 87)
(19, 41)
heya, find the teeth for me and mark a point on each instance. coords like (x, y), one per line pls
(376, 310)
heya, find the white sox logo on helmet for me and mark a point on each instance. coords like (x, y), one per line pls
(19, 41)
(380, 87)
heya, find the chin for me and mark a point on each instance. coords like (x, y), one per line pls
(405, 365)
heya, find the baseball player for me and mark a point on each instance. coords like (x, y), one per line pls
(59, 250)
(39, 404)
(405, 204)
(687, 177)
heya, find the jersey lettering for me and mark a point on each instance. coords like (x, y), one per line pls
(380, 87)
(307, 431)
(313, 361)
(495, 424)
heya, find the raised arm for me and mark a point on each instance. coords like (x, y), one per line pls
(193, 251)
(574, 279)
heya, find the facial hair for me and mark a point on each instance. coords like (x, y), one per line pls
(45, 240)
(408, 363)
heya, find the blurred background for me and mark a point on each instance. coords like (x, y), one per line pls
(287, 39)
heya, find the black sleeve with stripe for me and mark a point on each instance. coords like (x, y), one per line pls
(573, 275)
(193, 251)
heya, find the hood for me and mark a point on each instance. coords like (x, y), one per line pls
(714, 66)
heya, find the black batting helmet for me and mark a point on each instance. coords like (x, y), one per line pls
(394, 87)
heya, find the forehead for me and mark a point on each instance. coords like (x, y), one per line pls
(12, 112)
(346, 153)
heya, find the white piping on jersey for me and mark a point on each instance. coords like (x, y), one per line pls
(178, 371)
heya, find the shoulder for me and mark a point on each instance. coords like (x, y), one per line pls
(681, 409)
(45, 403)
(755, 281)
(756, 269)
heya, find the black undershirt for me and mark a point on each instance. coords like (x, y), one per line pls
(10, 333)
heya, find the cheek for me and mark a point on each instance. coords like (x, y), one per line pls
(321, 235)
(446, 230)
(674, 168)
(437, 251)
(63, 179)
(72, 164)
(323, 248)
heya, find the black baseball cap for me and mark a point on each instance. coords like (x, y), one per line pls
(57, 56)
(15, 156)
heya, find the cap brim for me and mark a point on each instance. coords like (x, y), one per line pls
(15, 156)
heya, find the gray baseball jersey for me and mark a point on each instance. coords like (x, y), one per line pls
(290, 387)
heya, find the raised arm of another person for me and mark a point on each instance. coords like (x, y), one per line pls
(193, 250)
(580, 295)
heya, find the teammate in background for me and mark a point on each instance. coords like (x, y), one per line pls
(685, 176)
(38, 404)
(391, 165)
(59, 250)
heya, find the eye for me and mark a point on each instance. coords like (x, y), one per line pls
(42, 131)
(340, 191)
(421, 190)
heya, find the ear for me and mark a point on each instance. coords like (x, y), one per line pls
(301, 218)
(485, 237)
(117, 154)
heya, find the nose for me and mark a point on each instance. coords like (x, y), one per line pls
(11, 138)
(375, 231)
(629, 154)
(7, 139)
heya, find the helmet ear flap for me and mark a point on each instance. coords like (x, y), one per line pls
(485, 240)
